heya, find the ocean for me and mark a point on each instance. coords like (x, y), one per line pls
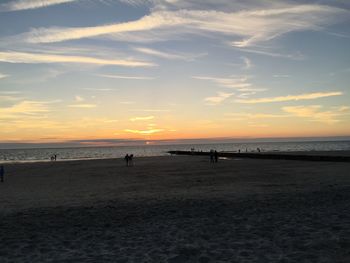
(36, 155)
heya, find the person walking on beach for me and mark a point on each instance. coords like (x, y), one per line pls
(2, 172)
(216, 155)
(127, 158)
(211, 156)
(131, 161)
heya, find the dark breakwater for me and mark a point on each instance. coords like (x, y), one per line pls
(275, 156)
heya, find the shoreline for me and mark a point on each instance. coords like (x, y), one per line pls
(75, 160)
(340, 153)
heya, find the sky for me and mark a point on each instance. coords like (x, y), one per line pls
(102, 71)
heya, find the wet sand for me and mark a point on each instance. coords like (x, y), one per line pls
(176, 209)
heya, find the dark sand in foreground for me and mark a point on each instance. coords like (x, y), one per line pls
(176, 209)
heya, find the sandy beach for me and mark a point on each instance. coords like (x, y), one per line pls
(176, 209)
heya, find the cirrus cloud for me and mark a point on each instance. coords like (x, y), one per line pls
(2, 76)
(144, 132)
(245, 28)
(124, 77)
(146, 118)
(25, 109)
(232, 82)
(306, 96)
(35, 58)
(17, 5)
(315, 113)
(220, 97)
(84, 106)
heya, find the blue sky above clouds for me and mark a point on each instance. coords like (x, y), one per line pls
(163, 69)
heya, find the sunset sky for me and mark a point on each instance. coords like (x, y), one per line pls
(173, 69)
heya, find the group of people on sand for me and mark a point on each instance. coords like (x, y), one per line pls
(129, 159)
(214, 156)
(246, 150)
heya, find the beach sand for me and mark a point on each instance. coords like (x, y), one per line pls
(175, 209)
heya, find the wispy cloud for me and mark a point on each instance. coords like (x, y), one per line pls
(144, 132)
(247, 94)
(16, 5)
(124, 77)
(35, 58)
(247, 63)
(150, 110)
(249, 26)
(271, 23)
(307, 96)
(2, 76)
(219, 98)
(168, 55)
(79, 98)
(97, 89)
(24, 108)
(152, 21)
(239, 83)
(84, 106)
(127, 102)
(8, 98)
(245, 116)
(146, 118)
(45, 122)
(295, 56)
(233, 82)
(315, 113)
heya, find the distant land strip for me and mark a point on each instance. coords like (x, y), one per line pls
(275, 156)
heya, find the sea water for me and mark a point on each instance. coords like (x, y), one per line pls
(78, 153)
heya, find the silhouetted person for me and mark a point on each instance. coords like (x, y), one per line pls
(55, 156)
(258, 149)
(131, 160)
(127, 158)
(2, 172)
(239, 151)
(52, 158)
(211, 156)
(216, 156)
